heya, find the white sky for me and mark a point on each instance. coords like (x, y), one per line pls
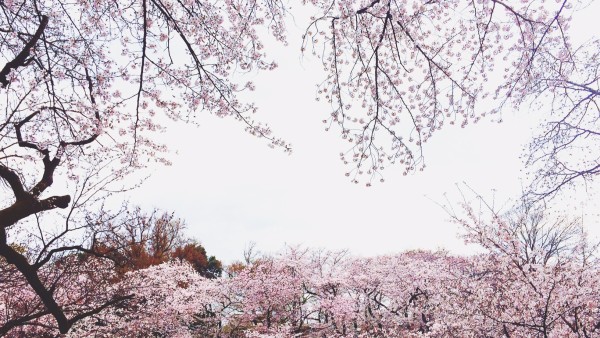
(232, 189)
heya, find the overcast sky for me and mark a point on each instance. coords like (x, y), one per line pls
(232, 189)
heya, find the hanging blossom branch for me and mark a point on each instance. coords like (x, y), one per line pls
(564, 151)
(400, 71)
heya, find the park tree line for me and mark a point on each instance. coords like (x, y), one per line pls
(536, 276)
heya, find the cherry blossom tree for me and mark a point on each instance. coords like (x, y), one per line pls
(170, 297)
(81, 285)
(538, 278)
(169, 301)
(82, 83)
(121, 284)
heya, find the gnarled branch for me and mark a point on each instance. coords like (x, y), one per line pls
(21, 59)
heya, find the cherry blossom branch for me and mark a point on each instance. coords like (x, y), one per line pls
(21, 59)
(13, 180)
(9, 325)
